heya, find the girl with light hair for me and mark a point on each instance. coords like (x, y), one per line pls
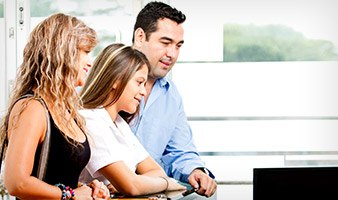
(55, 62)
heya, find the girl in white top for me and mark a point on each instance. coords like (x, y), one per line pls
(111, 96)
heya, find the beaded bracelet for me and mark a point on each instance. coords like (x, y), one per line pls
(67, 192)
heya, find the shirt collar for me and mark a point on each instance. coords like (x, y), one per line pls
(163, 82)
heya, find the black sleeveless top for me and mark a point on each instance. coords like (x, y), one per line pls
(65, 161)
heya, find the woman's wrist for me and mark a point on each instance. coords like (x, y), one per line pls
(167, 182)
(67, 193)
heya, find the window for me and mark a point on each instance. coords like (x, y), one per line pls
(260, 30)
(2, 59)
(259, 79)
(112, 19)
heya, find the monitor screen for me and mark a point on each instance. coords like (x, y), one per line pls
(295, 183)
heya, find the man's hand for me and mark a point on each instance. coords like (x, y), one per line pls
(199, 179)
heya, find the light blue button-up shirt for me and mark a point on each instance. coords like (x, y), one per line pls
(163, 129)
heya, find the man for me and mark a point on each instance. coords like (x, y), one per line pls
(162, 125)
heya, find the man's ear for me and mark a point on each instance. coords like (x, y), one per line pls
(139, 37)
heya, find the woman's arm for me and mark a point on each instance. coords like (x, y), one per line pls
(150, 178)
(25, 132)
(150, 167)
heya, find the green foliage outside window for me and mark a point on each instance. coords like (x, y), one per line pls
(106, 38)
(42, 8)
(245, 43)
(1, 9)
(241, 43)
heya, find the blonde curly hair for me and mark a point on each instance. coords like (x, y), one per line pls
(50, 67)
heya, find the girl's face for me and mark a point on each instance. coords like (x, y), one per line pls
(135, 89)
(84, 64)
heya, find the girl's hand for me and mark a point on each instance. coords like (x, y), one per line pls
(99, 190)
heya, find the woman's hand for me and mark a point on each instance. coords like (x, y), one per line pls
(99, 190)
(83, 192)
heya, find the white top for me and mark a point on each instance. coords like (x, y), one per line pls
(110, 142)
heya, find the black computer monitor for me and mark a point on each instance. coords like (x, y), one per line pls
(295, 183)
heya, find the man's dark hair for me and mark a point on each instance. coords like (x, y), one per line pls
(153, 11)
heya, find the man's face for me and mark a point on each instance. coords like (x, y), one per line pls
(163, 47)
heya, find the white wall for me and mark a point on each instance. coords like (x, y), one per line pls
(262, 114)
(259, 88)
(2, 67)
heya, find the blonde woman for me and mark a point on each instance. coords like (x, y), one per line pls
(111, 96)
(55, 62)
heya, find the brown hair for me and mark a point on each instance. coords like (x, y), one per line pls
(116, 63)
